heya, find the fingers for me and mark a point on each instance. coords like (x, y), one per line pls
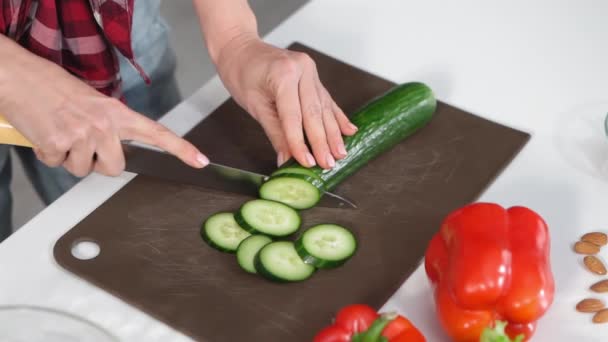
(79, 161)
(268, 118)
(290, 114)
(134, 126)
(313, 118)
(303, 104)
(332, 129)
(347, 127)
(53, 151)
(50, 157)
(110, 159)
(272, 128)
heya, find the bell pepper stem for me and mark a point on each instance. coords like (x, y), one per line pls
(374, 332)
(498, 334)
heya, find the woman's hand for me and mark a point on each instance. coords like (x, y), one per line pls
(282, 91)
(69, 122)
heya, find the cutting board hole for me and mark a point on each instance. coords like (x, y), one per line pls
(85, 249)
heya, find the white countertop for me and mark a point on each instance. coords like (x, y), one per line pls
(538, 66)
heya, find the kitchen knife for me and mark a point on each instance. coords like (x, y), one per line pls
(153, 162)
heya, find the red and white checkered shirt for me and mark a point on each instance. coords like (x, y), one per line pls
(78, 35)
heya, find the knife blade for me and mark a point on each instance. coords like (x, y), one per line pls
(156, 163)
(153, 162)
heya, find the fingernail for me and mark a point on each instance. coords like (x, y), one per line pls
(202, 160)
(280, 159)
(330, 161)
(341, 149)
(353, 127)
(310, 159)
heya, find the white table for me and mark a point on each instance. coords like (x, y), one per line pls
(538, 66)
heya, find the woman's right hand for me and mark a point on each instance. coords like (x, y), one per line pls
(70, 122)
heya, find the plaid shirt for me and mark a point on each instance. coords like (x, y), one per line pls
(78, 35)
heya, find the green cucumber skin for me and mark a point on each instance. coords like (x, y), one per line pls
(382, 123)
(256, 236)
(207, 239)
(213, 244)
(261, 270)
(241, 222)
(296, 170)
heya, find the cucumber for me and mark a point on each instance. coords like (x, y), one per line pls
(222, 232)
(271, 218)
(382, 123)
(279, 261)
(295, 170)
(326, 245)
(248, 249)
(297, 190)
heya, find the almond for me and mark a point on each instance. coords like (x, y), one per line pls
(595, 265)
(583, 247)
(600, 286)
(596, 238)
(601, 316)
(590, 305)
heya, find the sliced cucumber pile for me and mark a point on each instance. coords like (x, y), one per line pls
(383, 123)
(280, 262)
(223, 233)
(326, 245)
(248, 249)
(249, 233)
(268, 217)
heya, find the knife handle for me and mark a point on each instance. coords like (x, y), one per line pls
(9, 135)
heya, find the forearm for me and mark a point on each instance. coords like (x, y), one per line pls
(10, 55)
(17, 65)
(225, 21)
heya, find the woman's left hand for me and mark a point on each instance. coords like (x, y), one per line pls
(281, 89)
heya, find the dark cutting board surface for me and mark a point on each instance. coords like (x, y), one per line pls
(153, 258)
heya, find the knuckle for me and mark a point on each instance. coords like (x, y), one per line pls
(81, 133)
(102, 123)
(305, 59)
(313, 111)
(286, 67)
(57, 143)
(160, 130)
(327, 108)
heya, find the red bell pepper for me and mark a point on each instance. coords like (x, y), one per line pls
(489, 265)
(361, 323)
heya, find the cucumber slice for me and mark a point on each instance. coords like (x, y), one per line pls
(279, 261)
(268, 217)
(248, 249)
(222, 232)
(326, 245)
(296, 190)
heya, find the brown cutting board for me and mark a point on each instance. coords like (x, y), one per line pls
(153, 258)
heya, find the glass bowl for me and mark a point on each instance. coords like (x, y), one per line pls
(22, 323)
